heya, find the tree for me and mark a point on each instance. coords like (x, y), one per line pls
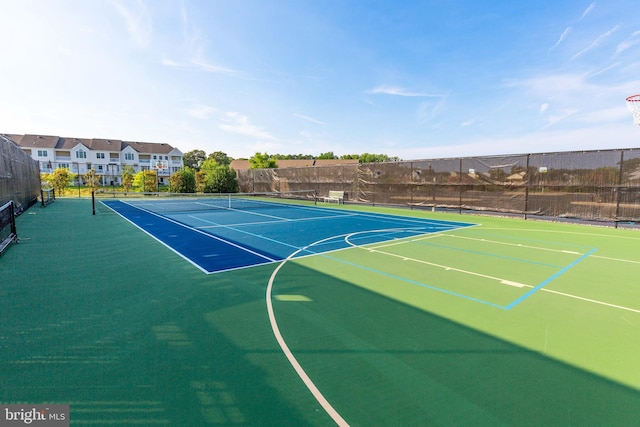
(92, 179)
(59, 179)
(150, 180)
(225, 180)
(127, 177)
(220, 157)
(146, 180)
(183, 181)
(328, 155)
(373, 158)
(292, 156)
(201, 181)
(194, 159)
(209, 164)
(262, 161)
(217, 178)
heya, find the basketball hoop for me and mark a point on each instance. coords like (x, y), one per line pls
(161, 165)
(633, 102)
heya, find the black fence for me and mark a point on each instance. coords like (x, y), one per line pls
(19, 176)
(601, 185)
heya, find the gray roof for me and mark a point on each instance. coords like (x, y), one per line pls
(148, 147)
(107, 144)
(69, 143)
(97, 144)
(38, 141)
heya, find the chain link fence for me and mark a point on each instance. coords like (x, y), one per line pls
(602, 185)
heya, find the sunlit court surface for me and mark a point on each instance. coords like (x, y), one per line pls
(287, 312)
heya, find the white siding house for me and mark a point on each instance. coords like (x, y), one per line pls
(105, 156)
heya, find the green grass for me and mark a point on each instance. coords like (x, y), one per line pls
(98, 315)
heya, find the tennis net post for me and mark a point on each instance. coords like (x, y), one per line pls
(47, 196)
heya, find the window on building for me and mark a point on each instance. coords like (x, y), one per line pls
(42, 153)
(128, 156)
(99, 155)
(63, 165)
(81, 154)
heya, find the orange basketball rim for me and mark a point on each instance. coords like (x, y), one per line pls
(633, 102)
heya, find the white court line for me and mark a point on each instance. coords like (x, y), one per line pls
(211, 236)
(433, 264)
(519, 245)
(508, 282)
(410, 240)
(577, 233)
(287, 351)
(616, 259)
(591, 300)
(257, 214)
(266, 222)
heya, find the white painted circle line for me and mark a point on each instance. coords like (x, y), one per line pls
(285, 348)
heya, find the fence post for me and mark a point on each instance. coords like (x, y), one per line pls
(460, 187)
(618, 189)
(526, 189)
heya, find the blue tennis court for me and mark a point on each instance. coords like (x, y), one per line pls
(217, 236)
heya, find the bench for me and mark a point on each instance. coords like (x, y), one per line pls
(335, 196)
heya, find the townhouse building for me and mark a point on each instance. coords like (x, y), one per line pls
(106, 156)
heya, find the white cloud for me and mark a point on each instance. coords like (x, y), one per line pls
(552, 85)
(559, 116)
(545, 141)
(237, 123)
(596, 42)
(200, 111)
(429, 110)
(213, 68)
(614, 65)
(587, 11)
(544, 107)
(201, 64)
(633, 40)
(137, 20)
(265, 147)
(171, 63)
(309, 119)
(398, 91)
(563, 36)
(194, 49)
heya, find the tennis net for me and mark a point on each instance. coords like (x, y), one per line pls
(189, 202)
(8, 233)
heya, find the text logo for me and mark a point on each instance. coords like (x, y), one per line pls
(34, 415)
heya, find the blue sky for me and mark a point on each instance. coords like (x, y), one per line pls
(411, 79)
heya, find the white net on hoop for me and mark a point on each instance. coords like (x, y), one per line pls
(633, 102)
